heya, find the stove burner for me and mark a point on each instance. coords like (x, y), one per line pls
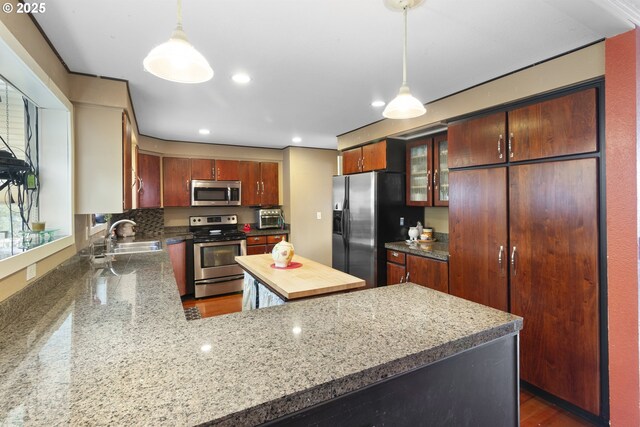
(215, 228)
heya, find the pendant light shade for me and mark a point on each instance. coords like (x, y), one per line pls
(404, 105)
(177, 60)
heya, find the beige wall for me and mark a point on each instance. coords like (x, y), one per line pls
(567, 70)
(437, 218)
(308, 191)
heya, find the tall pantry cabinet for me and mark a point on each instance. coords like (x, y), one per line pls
(524, 235)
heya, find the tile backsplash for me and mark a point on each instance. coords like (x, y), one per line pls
(149, 222)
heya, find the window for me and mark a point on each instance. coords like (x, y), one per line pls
(19, 187)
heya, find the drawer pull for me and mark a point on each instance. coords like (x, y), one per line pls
(395, 254)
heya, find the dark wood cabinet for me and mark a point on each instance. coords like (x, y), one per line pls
(269, 194)
(382, 155)
(351, 161)
(478, 141)
(427, 171)
(176, 180)
(259, 183)
(250, 179)
(177, 255)
(149, 181)
(264, 244)
(374, 156)
(396, 269)
(127, 164)
(428, 272)
(553, 233)
(558, 127)
(478, 236)
(203, 169)
(227, 170)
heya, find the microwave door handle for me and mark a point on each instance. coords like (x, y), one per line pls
(228, 195)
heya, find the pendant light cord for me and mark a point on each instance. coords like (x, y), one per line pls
(404, 50)
(179, 25)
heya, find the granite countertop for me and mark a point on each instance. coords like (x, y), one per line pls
(266, 232)
(112, 346)
(436, 250)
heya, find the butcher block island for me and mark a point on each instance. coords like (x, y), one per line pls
(265, 285)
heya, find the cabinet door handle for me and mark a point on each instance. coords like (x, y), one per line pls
(500, 252)
(213, 173)
(395, 254)
(513, 260)
(141, 187)
(407, 278)
(362, 164)
(187, 183)
(429, 180)
(401, 279)
(262, 187)
(257, 187)
(500, 146)
(435, 179)
(511, 144)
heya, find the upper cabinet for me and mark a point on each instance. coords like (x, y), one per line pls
(427, 171)
(478, 141)
(148, 181)
(227, 170)
(383, 155)
(557, 127)
(176, 180)
(259, 183)
(203, 169)
(103, 159)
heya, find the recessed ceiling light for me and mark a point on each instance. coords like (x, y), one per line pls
(296, 139)
(378, 104)
(241, 78)
(204, 131)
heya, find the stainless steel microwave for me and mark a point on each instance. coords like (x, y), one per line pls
(215, 193)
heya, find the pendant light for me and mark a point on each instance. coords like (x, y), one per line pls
(404, 106)
(177, 60)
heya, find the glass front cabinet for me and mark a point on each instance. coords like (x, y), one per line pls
(427, 171)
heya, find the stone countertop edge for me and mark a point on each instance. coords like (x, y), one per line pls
(179, 236)
(120, 374)
(435, 250)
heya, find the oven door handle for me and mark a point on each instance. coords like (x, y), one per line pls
(218, 280)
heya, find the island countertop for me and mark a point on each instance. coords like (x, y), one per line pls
(112, 346)
(311, 279)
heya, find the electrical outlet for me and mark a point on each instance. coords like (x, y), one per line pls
(401, 221)
(31, 272)
(318, 215)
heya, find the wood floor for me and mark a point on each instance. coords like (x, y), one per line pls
(533, 410)
(215, 306)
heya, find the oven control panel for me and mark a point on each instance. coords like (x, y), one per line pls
(208, 220)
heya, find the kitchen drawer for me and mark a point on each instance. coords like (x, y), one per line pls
(256, 250)
(256, 240)
(395, 256)
(276, 239)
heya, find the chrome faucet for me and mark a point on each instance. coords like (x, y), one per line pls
(112, 232)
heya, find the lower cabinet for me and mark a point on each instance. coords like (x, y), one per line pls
(421, 270)
(177, 255)
(396, 270)
(428, 272)
(257, 245)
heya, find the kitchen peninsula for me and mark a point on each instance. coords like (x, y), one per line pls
(112, 346)
(304, 279)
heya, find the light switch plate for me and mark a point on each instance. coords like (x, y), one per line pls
(318, 215)
(31, 272)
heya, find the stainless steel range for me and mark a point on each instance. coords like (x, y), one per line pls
(216, 243)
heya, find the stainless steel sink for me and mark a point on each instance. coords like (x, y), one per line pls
(135, 247)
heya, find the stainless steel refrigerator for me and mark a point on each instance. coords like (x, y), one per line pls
(368, 211)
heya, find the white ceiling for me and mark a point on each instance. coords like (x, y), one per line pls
(316, 65)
